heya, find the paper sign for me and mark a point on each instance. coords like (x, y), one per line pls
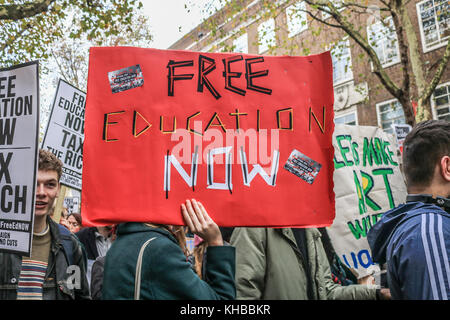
(400, 132)
(302, 166)
(19, 133)
(368, 182)
(65, 132)
(125, 79)
(217, 127)
(72, 204)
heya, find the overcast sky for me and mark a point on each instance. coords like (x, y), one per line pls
(169, 17)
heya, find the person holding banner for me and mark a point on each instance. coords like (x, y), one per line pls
(148, 261)
(414, 238)
(289, 264)
(56, 263)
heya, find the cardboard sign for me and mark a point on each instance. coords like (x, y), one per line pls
(163, 126)
(65, 132)
(19, 134)
(368, 182)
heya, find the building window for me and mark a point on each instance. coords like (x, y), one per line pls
(342, 62)
(390, 112)
(441, 102)
(241, 44)
(337, 4)
(434, 18)
(383, 39)
(296, 18)
(266, 35)
(349, 119)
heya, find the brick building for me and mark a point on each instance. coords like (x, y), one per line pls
(359, 96)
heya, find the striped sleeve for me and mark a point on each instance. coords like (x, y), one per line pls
(418, 265)
(436, 255)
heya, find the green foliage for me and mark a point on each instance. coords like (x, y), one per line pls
(34, 37)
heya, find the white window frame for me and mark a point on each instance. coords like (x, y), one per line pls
(441, 42)
(243, 39)
(344, 114)
(295, 16)
(378, 105)
(433, 99)
(383, 42)
(266, 25)
(350, 75)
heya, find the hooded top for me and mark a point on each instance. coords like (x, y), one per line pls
(414, 240)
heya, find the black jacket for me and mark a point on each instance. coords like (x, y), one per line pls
(97, 278)
(57, 283)
(87, 238)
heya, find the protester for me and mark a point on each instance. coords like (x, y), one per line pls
(414, 238)
(340, 273)
(63, 219)
(289, 264)
(54, 249)
(74, 222)
(96, 240)
(96, 243)
(198, 256)
(96, 272)
(96, 283)
(166, 273)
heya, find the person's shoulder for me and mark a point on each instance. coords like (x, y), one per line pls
(422, 226)
(85, 232)
(247, 234)
(160, 239)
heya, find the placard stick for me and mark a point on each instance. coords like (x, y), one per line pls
(59, 204)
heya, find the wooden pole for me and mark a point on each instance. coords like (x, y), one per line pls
(59, 204)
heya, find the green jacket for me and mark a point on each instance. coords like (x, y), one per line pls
(269, 266)
(166, 273)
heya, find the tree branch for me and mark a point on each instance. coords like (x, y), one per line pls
(403, 48)
(20, 11)
(437, 76)
(359, 39)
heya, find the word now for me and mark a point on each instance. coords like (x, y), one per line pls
(191, 180)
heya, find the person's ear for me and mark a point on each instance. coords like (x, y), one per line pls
(445, 168)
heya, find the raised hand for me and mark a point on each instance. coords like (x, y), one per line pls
(200, 223)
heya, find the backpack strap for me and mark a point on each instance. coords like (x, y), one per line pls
(67, 243)
(137, 279)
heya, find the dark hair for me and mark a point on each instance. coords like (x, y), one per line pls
(48, 161)
(423, 148)
(77, 217)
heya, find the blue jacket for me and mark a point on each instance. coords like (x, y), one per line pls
(414, 240)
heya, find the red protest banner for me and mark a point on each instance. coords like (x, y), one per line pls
(248, 136)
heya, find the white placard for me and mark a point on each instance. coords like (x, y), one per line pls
(64, 136)
(19, 140)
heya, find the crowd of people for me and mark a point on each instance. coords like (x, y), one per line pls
(136, 260)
